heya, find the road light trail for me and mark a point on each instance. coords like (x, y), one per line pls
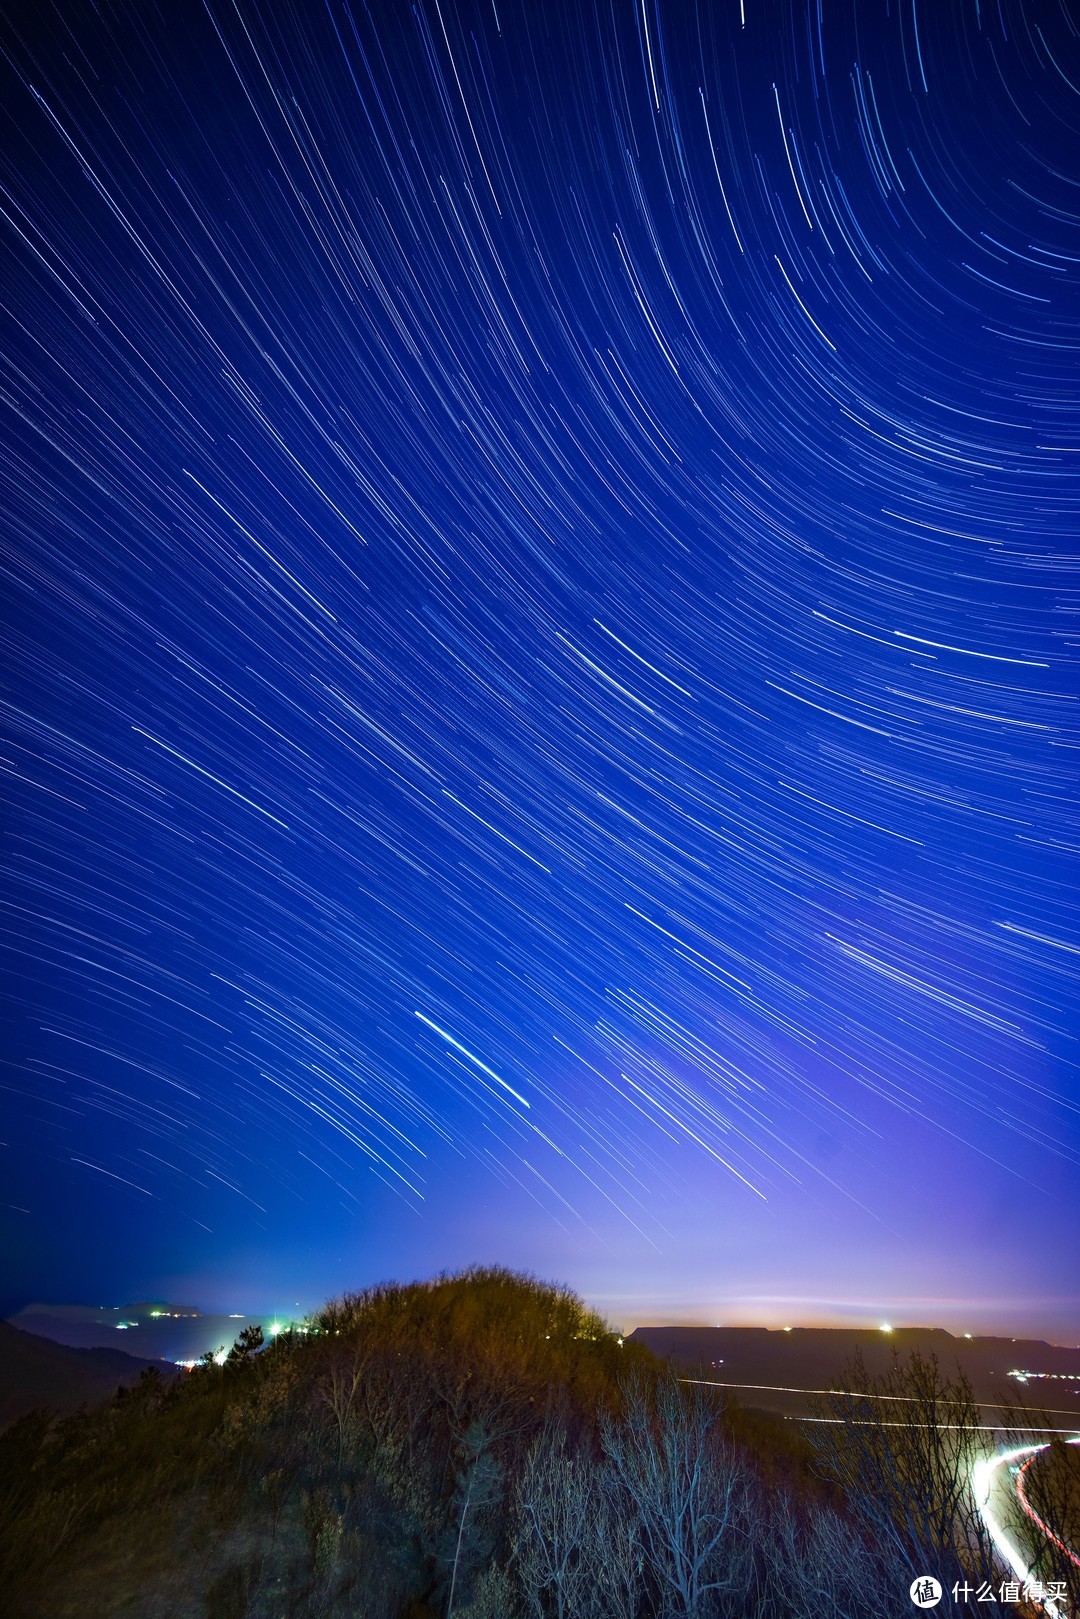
(906, 1399)
(983, 1474)
(1043, 1527)
(983, 1480)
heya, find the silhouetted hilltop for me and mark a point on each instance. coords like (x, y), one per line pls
(37, 1372)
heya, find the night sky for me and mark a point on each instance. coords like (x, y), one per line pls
(540, 560)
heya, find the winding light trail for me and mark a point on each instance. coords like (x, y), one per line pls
(982, 1476)
(982, 1484)
(1029, 1510)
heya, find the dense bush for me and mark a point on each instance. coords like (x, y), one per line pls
(482, 1446)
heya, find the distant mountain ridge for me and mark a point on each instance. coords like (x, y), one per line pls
(146, 1308)
(38, 1372)
(829, 1338)
(815, 1358)
(151, 1329)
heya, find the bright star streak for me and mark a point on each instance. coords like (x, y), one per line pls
(457, 1045)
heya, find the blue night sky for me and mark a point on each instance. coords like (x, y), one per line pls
(540, 552)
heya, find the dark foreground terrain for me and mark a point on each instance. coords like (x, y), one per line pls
(485, 1446)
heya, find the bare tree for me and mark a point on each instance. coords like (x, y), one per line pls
(813, 1565)
(672, 1460)
(575, 1549)
(339, 1388)
(393, 1416)
(902, 1448)
(556, 1499)
(617, 1553)
(477, 1489)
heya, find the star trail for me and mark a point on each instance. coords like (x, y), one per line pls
(540, 554)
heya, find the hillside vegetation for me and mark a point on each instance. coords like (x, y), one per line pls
(482, 1446)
